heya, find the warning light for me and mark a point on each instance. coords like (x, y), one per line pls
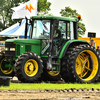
(79, 17)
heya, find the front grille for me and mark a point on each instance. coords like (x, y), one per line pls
(9, 53)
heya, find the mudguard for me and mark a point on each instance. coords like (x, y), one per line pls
(69, 43)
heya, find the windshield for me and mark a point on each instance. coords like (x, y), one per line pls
(41, 29)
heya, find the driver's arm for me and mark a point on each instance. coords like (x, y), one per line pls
(55, 34)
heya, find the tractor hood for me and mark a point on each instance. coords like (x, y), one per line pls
(24, 41)
(21, 46)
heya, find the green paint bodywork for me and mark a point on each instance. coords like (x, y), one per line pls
(66, 44)
(30, 45)
(25, 41)
(26, 45)
(8, 66)
(55, 17)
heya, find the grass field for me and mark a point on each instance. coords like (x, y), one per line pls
(44, 86)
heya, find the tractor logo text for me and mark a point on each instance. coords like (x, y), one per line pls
(29, 8)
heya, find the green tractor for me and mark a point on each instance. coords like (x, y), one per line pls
(52, 51)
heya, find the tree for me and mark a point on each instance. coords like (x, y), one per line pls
(43, 7)
(6, 12)
(68, 12)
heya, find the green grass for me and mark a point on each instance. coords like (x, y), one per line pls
(44, 86)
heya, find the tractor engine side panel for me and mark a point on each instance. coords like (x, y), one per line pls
(15, 49)
(22, 48)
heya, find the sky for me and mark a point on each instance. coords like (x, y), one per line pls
(89, 10)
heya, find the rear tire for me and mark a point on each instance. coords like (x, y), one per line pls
(28, 67)
(51, 76)
(80, 64)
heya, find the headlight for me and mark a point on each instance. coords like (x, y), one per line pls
(6, 49)
(12, 49)
(9, 49)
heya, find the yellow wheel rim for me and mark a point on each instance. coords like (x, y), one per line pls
(31, 68)
(83, 67)
(53, 73)
(5, 70)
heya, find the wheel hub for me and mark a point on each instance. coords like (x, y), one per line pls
(31, 67)
(82, 65)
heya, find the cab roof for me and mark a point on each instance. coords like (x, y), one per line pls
(55, 17)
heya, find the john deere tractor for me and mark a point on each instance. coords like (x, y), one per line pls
(52, 51)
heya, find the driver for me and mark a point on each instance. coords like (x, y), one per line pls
(57, 34)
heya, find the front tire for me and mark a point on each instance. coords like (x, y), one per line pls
(80, 64)
(28, 67)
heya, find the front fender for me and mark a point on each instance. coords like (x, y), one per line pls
(69, 43)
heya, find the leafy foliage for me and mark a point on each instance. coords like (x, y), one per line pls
(68, 12)
(6, 12)
(43, 7)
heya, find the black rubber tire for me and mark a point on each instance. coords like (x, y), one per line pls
(68, 70)
(20, 67)
(48, 77)
(10, 72)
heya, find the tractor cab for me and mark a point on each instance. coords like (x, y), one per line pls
(53, 33)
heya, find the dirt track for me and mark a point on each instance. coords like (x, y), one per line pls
(49, 95)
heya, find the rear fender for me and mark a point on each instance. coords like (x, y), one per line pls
(69, 43)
